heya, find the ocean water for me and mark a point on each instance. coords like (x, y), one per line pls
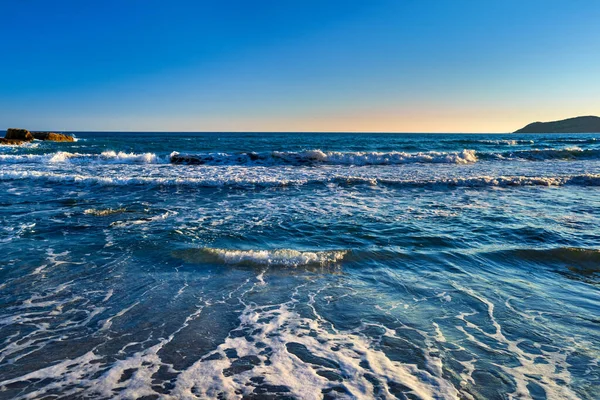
(306, 266)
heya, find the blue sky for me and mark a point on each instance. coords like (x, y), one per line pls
(400, 66)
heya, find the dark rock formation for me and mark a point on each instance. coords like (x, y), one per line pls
(177, 158)
(589, 124)
(18, 134)
(55, 137)
(15, 136)
(12, 141)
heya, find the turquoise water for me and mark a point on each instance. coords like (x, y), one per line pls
(302, 266)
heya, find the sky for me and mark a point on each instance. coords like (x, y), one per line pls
(306, 65)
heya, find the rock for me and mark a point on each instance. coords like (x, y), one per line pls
(15, 136)
(4, 141)
(589, 124)
(18, 134)
(55, 137)
(177, 158)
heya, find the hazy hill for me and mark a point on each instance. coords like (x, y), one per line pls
(586, 124)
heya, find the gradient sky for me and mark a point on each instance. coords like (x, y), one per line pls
(306, 65)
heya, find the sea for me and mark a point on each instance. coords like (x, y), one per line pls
(300, 266)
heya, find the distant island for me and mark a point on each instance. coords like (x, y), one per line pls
(588, 124)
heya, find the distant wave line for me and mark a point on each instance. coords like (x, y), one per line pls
(241, 181)
(303, 158)
(312, 157)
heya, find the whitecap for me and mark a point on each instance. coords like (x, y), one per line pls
(279, 257)
(259, 178)
(106, 157)
(311, 157)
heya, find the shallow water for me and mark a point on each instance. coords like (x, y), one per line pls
(301, 266)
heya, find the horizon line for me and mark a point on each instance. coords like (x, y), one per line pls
(265, 131)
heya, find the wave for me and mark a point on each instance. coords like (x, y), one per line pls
(108, 157)
(569, 153)
(566, 254)
(312, 157)
(516, 142)
(587, 259)
(498, 142)
(317, 157)
(487, 181)
(302, 158)
(281, 257)
(27, 145)
(506, 142)
(270, 180)
(573, 140)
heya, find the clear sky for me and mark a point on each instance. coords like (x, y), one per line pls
(305, 65)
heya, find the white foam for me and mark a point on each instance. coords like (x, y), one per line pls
(379, 158)
(550, 373)
(103, 212)
(506, 181)
(506, 142)
(567, 153)
(355, 356)
(108, 295)
(352, 355)
(573, 140)
(264, 177)
(73, 377)
(147, 158)
(284, 257)
(307, 157)
(329, 157)
(108, 322)
(106, 157)
(27, 145)
(16, 232)
(129, 223)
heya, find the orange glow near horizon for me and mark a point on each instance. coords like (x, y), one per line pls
(403, 120)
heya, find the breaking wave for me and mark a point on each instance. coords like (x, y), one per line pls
(108, 157)
(488, 181)
(303, 158)
(569, 153)
(281, 257)
(240, 180)
(312, 157)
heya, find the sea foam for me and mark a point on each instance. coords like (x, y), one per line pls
(567, 153)
(104, 212)
(239, 179)
(305, 158)
(279, 257)
(106, 157)
(312, 157)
